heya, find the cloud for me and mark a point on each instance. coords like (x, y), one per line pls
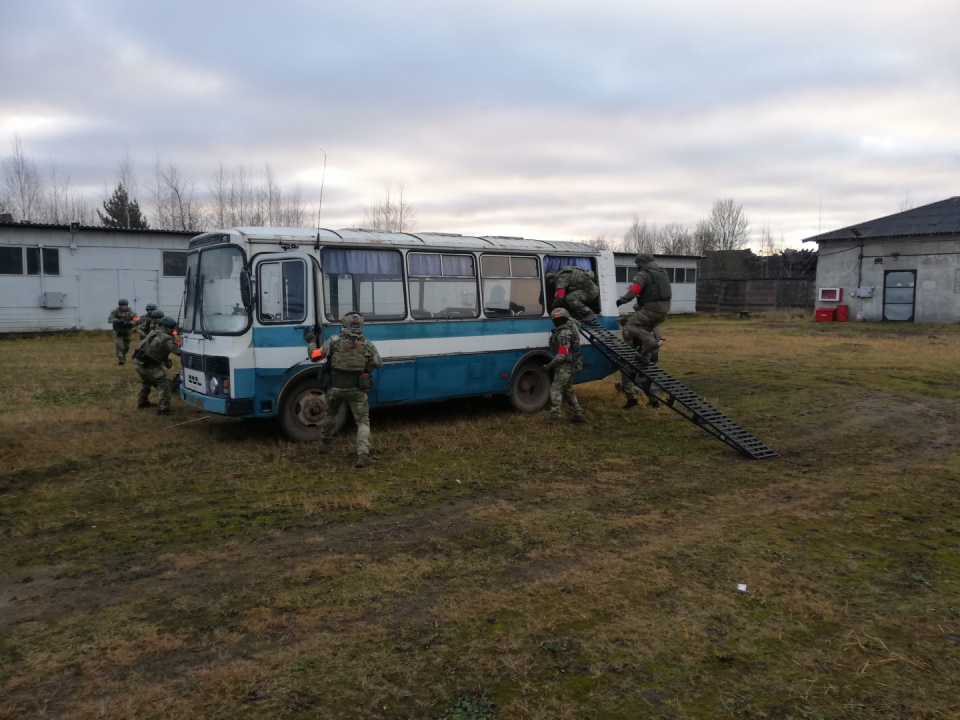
(544, 119)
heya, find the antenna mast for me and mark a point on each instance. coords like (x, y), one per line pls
(323, 177)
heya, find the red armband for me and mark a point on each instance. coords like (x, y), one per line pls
(562, 350)
(561, 292)
(316, 356)
(635, 289)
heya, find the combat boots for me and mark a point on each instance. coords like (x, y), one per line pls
(553, 420)
(144, 405)
(163, 411)
(631, 402)
(578, 419)
(324, 448)
(365, 461)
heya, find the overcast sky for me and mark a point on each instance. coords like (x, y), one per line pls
(543, 119)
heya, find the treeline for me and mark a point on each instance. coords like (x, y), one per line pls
(725, 228)
(234, 197)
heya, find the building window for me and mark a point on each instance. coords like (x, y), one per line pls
(174, 264)
(11, 261)
(33, 261)
(691, 275)
(283, 292)
(511, 286)
(51, 261)
(442, 286)
(368, 281)
(622, 273)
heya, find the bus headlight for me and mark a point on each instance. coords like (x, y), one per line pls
(214, 386)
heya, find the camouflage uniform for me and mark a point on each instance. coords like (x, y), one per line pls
(121, 318)
(349, 355)
(148, 323)
(574, 288)
(651, 288)
(149, 362)
(626, 384)
(565, 341)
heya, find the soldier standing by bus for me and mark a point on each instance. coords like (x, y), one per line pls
(122, 319)
(150, 359)
(148, 322)
(565, 342)
(346, 378)
(651, 288)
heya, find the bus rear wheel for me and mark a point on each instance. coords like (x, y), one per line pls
(302, 411)
(530, 388)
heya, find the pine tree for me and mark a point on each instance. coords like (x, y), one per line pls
(122, 212)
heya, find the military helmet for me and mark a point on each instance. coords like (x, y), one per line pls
(352, 320)
(151, 307)
(168, 322)
(559, 316)
(157, 314)
(122, 302)
(643, 259)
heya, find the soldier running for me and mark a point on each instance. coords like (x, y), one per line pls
(565, 342)
(122, 319)
(651, 288)
(350, 359)
(149, 361)
(574, 288)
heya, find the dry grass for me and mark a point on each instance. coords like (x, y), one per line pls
(489, 565)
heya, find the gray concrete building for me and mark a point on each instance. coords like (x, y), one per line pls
(69, 277)
(903, 267)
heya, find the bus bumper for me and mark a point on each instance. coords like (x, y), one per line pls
(237, 407)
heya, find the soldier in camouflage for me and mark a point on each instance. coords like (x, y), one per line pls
(651, 288)
(150, 360)
(627, 387)
(148, 322)
(350, 360)
(122, 319)
(565, 342)
(574, 288)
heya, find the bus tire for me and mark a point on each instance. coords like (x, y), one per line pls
(302, 411)
(529, 387)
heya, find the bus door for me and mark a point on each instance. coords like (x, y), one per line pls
(286, 305)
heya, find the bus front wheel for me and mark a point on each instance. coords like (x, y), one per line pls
(302, 411)
(530, 388)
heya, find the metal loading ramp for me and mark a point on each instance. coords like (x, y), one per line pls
(660, 386)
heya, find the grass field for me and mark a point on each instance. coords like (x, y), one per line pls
(489, 566)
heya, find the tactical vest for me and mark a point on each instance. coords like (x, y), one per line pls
(155, 347)
(658, 289)
(127, 315)
(567, 333)
(348, 354)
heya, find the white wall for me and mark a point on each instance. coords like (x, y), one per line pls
(100, 268)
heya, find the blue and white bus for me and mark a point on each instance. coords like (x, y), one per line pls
(451, 316)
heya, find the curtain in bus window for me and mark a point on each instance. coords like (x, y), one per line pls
(368, 281)
(422, 264)
(552, 263)
(461, 265)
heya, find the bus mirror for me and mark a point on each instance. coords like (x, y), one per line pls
(246, 290)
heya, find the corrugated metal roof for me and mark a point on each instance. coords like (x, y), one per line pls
(939, 218)
(97, 228)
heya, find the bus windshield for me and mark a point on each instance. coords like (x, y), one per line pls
(213, 303)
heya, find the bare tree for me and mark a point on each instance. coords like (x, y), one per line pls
(175, 204)
(675, 239)
(390, 212)
(908, 203)
(769, 245)
(730, 226)
(128, 180)
(640, 237)
(703, 238)
(599, 242)
(22, 185)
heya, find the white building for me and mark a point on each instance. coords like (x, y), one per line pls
(903, 267)
(682, 270)
(69, 277)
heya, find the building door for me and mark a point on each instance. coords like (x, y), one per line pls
(99, 292)
(899, 289)
(139, 287)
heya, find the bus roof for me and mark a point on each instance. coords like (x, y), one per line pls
(354, 236)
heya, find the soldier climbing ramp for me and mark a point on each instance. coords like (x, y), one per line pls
(660, 386)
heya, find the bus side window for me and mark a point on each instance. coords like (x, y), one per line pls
(442, 286)
(369, 281)
(511, 286)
